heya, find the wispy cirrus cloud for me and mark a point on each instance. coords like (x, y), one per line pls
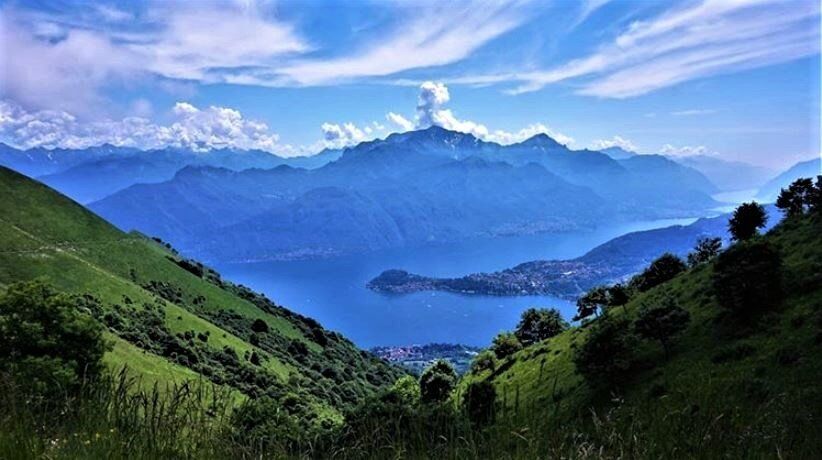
(433, 36)
(66, 56)
(692, 112)
(699, 40)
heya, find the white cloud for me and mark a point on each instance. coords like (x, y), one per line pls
(698, 40)
(193, 128)
(616, 141)
(685, 150)
(433, 36)
(342, 135)
(429, 104)
(403, 123)
(431, 111)
(692, 112)
(65, 74)
(211, 44)
(505, 138)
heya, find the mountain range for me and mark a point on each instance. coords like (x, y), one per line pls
(413, 187)
(93, 173)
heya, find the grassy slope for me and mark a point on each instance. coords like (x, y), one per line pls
(748, 394)
(45, 235)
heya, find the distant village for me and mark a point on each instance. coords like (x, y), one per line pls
(417, 357)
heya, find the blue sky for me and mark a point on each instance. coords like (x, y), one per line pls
(737, 79)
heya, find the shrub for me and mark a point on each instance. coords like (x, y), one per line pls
(662, 323)
(747, 278)
(704, 251)
(259, 326)
(437, 381)
(479, 401)
(407, 389)
(46, 341)
(484, 361)
(606, 355)
(505, 344)
(618, 295)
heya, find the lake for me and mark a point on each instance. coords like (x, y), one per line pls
(333, 290)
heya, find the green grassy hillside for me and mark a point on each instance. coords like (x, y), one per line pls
(171, 319)
(731, 386)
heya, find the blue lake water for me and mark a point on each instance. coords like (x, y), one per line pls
(333, 290)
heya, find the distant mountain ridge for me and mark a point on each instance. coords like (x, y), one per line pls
(93, 173)
(410, 188)
(810, 168)
(427, 185)
(727, 175)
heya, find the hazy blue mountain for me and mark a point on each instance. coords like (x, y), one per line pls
(727, 175)
(91, 174)
(288, 213)
(94, 180)
(770, 190)
(39, 161)
(618, 153)
(413, 187)
(643, 185)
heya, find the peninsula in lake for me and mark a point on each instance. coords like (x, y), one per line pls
(610, 262)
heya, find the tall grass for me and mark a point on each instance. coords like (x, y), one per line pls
(114, 418)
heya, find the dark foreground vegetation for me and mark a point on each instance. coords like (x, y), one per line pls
(713, 357)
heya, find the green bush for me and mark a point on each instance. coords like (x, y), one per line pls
(484, 361)
(505, 344)
(47, 341)
(747, 278)
(437, 381)
(606, 356)
(662, 323)
(479, 402)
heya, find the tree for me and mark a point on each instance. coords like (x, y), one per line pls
(47, 341)
(591, 302)
(746, 221)
(796, 199)
(748, 278)
(618, 295)
(505, 344)
(662, 323)
(437, 381)
(606, 356)
(705, 250)
(661, 270)
(484, 361)
(539, 324)
(815, 199)
(479, 401)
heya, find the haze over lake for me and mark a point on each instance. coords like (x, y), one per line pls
(333, 290)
